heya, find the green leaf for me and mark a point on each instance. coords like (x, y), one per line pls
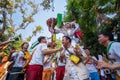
(18, 0)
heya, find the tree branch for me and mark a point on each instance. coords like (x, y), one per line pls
(4, 23)
(117, 6)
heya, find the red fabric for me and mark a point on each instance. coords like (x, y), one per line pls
(0, 64)
(60, 72)
(79, 33)
(34, 72)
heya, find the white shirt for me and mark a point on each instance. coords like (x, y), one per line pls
(18, 58)
(38, 57)
(90, 66)
(72, 69)
(49, 60)
(100, 58)
(58, 60)
(115, 53)
(67, 32)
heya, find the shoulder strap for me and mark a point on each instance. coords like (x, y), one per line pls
(68, 51)
(108, 47)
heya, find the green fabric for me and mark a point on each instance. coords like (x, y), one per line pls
(59, 20)
(108, 47)
(34, 44)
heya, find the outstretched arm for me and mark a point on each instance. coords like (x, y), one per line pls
(103, 64)
(50, 51)
(5, 42)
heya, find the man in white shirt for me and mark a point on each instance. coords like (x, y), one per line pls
(73, 71)
(35, 68)
(113, 49)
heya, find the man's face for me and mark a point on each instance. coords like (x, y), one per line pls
(102, 39)
(64, 41)
(44, 40)
(67, 26)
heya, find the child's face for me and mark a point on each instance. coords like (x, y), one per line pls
(67, 26)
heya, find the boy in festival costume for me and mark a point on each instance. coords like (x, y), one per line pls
(48, 71)
(67, 29)
(70, 29)
(35, 67)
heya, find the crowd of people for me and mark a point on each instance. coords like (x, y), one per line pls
(66, 62)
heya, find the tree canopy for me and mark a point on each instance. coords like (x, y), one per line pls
(16, 15)
(92, 15)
